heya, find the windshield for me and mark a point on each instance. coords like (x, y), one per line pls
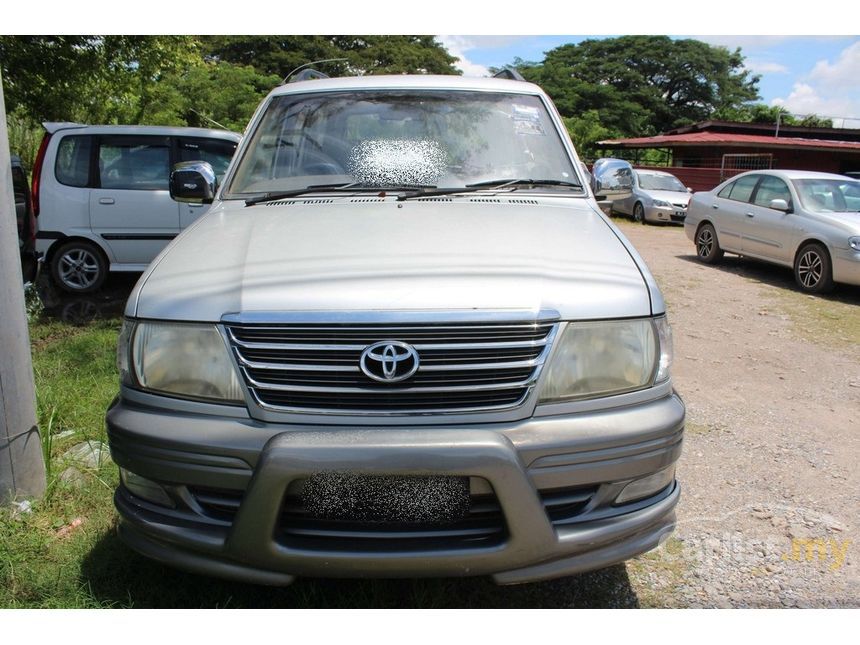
(660, 182)
(445, 139)
(828, 195)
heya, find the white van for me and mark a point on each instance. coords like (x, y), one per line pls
(101, 197)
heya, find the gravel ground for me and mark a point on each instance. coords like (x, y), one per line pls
(770, 487)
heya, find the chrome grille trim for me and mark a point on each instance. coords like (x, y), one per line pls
(465, 372)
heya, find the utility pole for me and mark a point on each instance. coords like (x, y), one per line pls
(22, 467)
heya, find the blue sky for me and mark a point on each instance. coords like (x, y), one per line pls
(805, 74)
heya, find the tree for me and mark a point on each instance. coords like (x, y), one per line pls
(279, 55)
(94, 79)
(642, 85)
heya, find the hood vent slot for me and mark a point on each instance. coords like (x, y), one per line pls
(524, 201)
(486, 200)
(435, 199)
(302, 202)
(358, 200)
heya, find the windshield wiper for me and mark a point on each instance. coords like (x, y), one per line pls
(493, 183)
(324, 188)
(504, 183)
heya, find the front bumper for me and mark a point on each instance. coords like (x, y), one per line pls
(846, 266)
(674, 215)
(522, 465)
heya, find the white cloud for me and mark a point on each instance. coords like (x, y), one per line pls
(843, 72)
(765, 67)
(829, 89)
(457, 46)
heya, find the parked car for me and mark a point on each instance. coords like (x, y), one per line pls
(101, 195)
(403, 342)
(805, 220)
(30, 260)
(657, 196)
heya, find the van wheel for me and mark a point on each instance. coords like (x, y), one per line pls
(79, 267)
(812, 269)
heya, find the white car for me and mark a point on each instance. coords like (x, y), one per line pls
(100, 195)
(657, 197)
(805, 220)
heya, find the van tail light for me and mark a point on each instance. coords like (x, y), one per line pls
(37, 172)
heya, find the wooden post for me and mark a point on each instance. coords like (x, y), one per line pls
(22, 467)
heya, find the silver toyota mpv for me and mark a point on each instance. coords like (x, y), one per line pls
(404, 341)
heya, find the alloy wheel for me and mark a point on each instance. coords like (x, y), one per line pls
(79, 268)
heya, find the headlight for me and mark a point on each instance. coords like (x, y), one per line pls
(661, 203)
(603, 358)
(854, 243)
(183, 359)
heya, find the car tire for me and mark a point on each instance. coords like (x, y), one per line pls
(813, 270)
(639, 213)
(79, 267)
(707, 246)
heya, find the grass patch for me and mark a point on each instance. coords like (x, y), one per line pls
(828, 321)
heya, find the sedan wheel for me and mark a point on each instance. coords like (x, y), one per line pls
(812, 269)
(707, 246)
(78, 267)
(639, 213)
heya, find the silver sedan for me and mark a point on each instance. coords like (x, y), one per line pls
(805, 220)
(656, 197)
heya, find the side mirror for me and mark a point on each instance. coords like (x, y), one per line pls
(612, 179)
(779, 205)
(689, 190)
(193, 182)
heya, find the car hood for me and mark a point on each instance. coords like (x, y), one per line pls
(374, 254)
(671, 196)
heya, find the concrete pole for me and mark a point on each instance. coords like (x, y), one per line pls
(22, 468)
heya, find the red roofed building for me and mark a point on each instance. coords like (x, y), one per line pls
(704, 154)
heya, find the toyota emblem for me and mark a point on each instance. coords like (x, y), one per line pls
(389, 361)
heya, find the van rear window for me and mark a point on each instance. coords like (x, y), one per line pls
(73, 161)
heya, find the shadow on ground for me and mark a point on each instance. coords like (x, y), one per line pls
(117, 576)
(773, 275)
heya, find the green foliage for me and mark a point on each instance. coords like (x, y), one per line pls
(279, 55)
(761, 113)
(642, 85)
(585, 130)
(25, 134)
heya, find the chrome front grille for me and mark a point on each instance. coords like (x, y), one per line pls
(463, 367)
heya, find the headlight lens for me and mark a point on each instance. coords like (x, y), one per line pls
(603, 358)
(184, 359)
(854, 243)
(661, 203)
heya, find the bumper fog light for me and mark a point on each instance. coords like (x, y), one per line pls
(647, 486)
(145, 488)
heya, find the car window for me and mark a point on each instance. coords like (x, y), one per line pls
(386, 137)
(660, 182)
(217, 152)
(742, 189)
(72, 167)
(134, 164)
(823, 195)
(769, 189)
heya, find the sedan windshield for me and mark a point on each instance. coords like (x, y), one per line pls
(828, 195)
(403, 139)
(661, 182)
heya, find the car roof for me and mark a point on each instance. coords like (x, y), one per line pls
(409, 81)
(795, 174)
(171, 131)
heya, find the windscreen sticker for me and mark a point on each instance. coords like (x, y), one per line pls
(527, 120)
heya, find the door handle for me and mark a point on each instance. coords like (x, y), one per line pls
(749, 214)
(106, 200)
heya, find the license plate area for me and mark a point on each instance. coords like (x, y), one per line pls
(386, 499)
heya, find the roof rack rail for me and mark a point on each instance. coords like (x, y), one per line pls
(510, 74)
(308, 74)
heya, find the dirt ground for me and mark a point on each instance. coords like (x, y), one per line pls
(770, 484)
